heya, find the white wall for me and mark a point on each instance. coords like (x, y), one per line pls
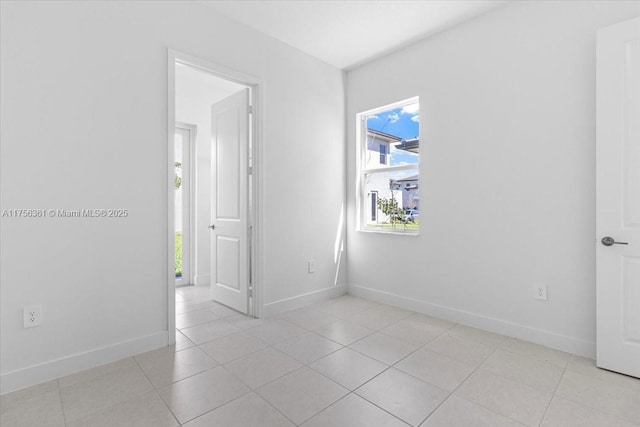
(84, 119)
(507, 172)
(195, 92)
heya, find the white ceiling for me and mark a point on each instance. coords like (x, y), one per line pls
(349, 33)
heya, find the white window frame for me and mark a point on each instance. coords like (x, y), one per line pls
(361, 194)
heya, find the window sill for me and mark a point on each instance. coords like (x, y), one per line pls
(396, 232)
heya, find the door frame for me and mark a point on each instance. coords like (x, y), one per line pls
(255, 217)
(190, 174)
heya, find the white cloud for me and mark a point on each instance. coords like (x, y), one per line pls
(411, 108)
(372, 117)
(416, 118)
(393, 117)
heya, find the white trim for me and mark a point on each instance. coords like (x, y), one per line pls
(256, 220)
(170, 272)
(499, 326)
(36, 374)
(395, 168)
(390, 106)
(286, 304)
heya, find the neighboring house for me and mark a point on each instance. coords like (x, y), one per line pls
(409, 189)
(412, 145)
(379, 148)
(382, 185)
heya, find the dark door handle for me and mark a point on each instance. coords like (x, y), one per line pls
(609, 241)
(213, 227)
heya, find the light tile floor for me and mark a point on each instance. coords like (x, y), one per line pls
(343, 362)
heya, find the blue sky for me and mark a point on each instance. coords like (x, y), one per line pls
(403, 122)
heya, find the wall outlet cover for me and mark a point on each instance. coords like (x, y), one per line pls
(540, 291)
(32, 315)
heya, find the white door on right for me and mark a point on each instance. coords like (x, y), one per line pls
(229, 201)
(618, 197)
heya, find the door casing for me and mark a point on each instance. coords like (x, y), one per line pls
(255, 219)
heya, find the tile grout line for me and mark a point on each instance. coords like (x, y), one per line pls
(276, 409)
(181, 379)
(201, 372)
(213, 409)
(155, 390)
(456, 389)
(593, 408)
(388, 366)
(199, 323)
(553, 395)
(254, 390)
(479, 367)
(64, 416)
(306, 365)
(498, 375)
(393, 366)
(495, 348)
(355, 394)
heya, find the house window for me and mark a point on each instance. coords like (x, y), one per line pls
(374, 206)
(389, 168)
(383, 154)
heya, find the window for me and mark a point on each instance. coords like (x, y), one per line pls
(374, 206)
(388, 169)
(383, 154)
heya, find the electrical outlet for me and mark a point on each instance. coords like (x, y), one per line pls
(32, 315)
(540, 291)
(312, 266)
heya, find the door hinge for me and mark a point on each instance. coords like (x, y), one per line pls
(250, 170)
(250, 109)
(250, 292)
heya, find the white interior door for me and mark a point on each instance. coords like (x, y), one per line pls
(229, 201)
(618, 197)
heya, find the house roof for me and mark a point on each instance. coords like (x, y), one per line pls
(407, 179)
(387, 136)
(412, 145)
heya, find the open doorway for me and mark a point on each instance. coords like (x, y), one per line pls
(213, 192)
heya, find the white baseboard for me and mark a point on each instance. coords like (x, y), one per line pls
(277, 307)
(499, 326)
(202, 280)
(32, 375)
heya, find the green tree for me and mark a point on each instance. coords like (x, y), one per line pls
(176, 179)
(390, 208)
